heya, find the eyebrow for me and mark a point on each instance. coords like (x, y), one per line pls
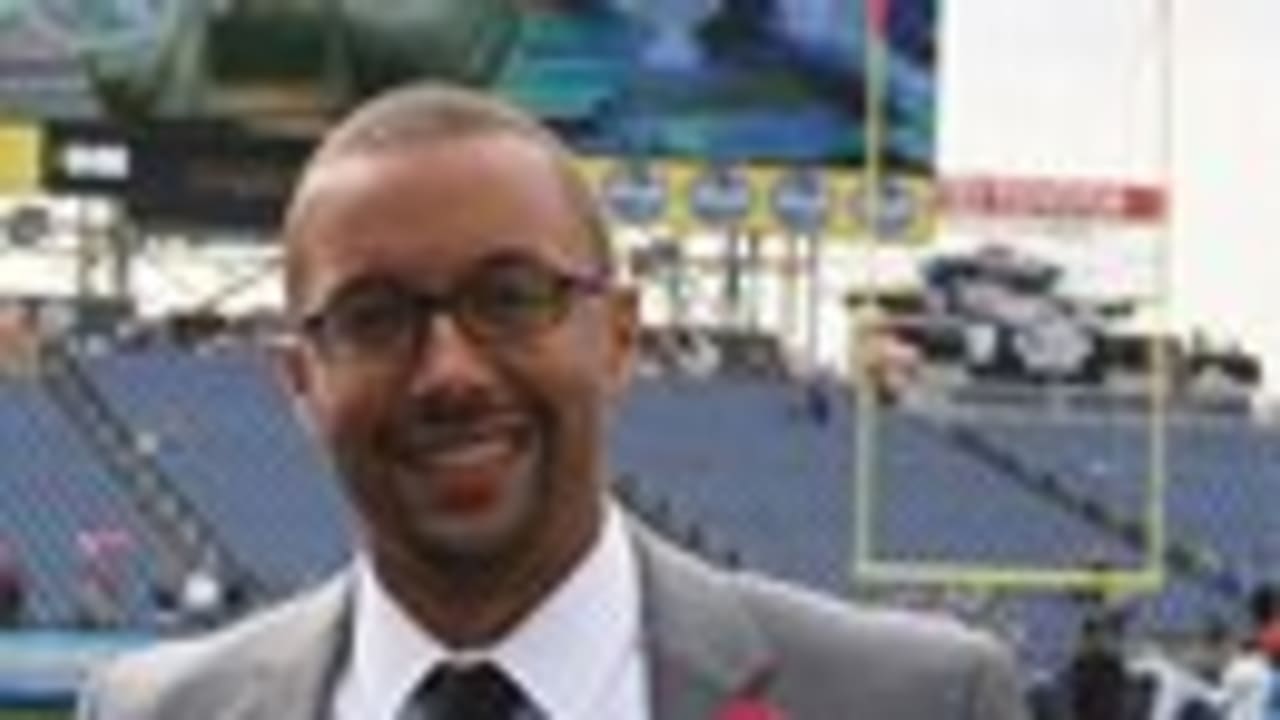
(355, 286)
(563, 262)
(586, 268)
(367, 282)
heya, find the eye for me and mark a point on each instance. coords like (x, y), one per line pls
(515, 298)
(370, 319)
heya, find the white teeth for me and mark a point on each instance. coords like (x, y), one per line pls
(470, 451)
(460, 448)
(446, 443)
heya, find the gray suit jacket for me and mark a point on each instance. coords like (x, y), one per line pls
(714, 638)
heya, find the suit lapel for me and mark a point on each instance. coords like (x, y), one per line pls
(295, 674)
(704, 649)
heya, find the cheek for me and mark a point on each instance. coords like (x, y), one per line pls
(348, 415)
(574, 387)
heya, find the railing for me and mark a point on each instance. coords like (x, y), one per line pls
(1187, 559)
(183, 532)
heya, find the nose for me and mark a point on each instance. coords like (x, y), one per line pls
(447, 358)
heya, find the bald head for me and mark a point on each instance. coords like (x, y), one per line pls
(425, 115)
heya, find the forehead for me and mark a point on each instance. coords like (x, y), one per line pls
(427, 213)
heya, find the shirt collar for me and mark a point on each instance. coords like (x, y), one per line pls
(571, 650)
(389, 653)
(564, 655)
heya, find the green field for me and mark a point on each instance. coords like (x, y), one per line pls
(35, 715)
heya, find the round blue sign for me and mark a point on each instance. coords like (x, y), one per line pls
(800, 200)
(898, 209)
(634, 193)
(721, 196)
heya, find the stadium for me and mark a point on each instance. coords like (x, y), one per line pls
(955, 394)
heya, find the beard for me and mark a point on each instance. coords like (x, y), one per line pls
(466, 516)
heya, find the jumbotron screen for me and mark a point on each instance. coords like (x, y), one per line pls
(719, 80)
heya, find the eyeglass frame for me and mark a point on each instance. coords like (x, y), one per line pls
(426, 305)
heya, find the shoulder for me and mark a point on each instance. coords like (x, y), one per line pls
(798, 619)
(903, 664)
(816, 653)
(209, 670)
(804, 622)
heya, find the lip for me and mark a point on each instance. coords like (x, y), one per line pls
(449, 444)
(466, 470)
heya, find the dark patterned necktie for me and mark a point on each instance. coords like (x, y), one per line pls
(471, 692)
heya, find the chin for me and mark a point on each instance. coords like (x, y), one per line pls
(475, 537)
(503, 532)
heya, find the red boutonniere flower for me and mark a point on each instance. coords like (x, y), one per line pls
(750, 709)
(750, 703)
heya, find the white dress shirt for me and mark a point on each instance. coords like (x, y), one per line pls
(1246, 686)
(578, 656)
(1175, 685)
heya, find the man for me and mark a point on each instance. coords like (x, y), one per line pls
(1176, 691)
(1250, 687)
(460, 346)
(1096, 678)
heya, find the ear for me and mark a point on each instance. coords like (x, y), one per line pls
(624, 337)
(294, 371)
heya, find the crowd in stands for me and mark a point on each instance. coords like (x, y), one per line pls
(177, 601)
(705, 352)
(1111, 677)
(17, 341)
(12, 588)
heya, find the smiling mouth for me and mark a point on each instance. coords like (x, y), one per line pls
(468, 472)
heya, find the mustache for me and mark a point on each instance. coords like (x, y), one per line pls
(451, 406)
(429, 422)
(440, 412)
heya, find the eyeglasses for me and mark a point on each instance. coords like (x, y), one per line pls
(503, 300)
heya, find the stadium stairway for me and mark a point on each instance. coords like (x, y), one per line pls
(186, 537)
(60, 501)
(219, 426)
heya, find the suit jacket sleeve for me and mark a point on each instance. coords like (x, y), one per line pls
(996, 691)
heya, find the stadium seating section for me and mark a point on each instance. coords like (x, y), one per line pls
(739, 468)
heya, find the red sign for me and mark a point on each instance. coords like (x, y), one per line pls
(1049, 198)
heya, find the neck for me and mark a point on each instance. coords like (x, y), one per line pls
(474, 602)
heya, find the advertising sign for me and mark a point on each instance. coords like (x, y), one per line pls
(723, 81)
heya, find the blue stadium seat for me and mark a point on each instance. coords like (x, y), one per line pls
(740, 459)
(56, 496)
